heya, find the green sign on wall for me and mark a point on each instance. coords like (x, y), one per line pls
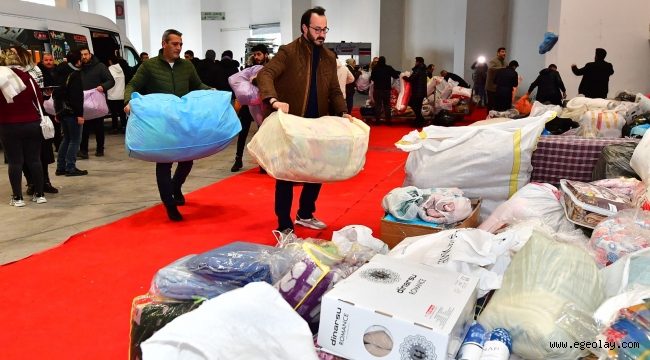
(213, 16)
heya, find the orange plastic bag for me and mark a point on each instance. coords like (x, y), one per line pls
(237, 106)
(523, 105)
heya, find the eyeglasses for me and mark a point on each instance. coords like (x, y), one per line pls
(319, 30)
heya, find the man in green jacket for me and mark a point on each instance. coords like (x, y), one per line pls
(168, 73)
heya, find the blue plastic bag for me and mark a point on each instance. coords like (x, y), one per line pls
(549, 41)
(640, 130)
(165, 128)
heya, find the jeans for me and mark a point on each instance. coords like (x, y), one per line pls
(97, 126)
(67, 157)
(245, 118)
(480, 91)
(382, 97)
(22, 143)
(168, 185)
(117, 110)
(284, 199)
(349, 99)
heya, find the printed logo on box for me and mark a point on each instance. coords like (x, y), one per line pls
(417, 348)
(381, 275)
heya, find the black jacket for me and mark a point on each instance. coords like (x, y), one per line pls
(506, 80)
(549, 85)
(48, 77)
(418, 80)
(226, 69)
(196, 62)
(461, 82)
(128, 73)
(72, 93)
(96, 74)
(381, 75)
(480, 73)
(349, 88)
(208, 71)
(595, 79)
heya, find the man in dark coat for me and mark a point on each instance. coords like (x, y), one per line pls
(381, 76)
(549, 84)
(480, 77)
(227, 68)
(418, 80)
(208, 70)
(447, 75)
(595, 76)
(506, 80)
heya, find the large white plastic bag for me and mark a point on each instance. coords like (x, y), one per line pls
(253, 322)
(617, 276)
(467, 251)
(533, 200)
(164, 128)
(601, 123)
(491, 162)
(363, 82)
(94, 105)
(245, 92)
(539, 109)
(323, 150)
(589, 103)
(643, 102)
(640, 160)
(541, 279)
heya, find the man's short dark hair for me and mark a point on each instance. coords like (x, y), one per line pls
(601, 53)
(552, 66)
(306, 17)
(168, 32)
(112, 58)
(381, 60)
(419, 59)
(143, 54)
(513, 63)
(501, 48)
(190, 53)
(431, 66)
(83, 47)
(261, 48)
(227, 53)
(73, 57)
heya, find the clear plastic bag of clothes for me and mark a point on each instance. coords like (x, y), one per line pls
(150, 314)
(614, 162)
(626, 232)
(404, 203)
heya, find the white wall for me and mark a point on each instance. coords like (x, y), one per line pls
(527, 25)
(428, 32)
(352, 21)
(460, 34)
(486, 27)
(133, 19)
(621, 29)
(102, 7)
(170, 14)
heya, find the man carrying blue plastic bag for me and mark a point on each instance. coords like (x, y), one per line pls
(301, 80)
(168, 73)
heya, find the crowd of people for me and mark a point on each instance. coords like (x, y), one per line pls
(303, 79)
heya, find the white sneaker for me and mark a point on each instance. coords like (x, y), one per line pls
(39, 198)
(312, 223)
(17, 201)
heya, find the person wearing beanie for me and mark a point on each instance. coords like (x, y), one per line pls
(595, 76)
(208, 69)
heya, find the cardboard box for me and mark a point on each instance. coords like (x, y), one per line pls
(425, 311)
(393, 232)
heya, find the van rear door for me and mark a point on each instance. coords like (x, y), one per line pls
(65, 37)
(105, 43)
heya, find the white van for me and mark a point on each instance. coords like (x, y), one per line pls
(48, 29)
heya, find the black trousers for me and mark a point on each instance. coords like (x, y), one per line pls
(416, 105)
(96, 126)
(168, 185)
(117, 111)
(491, 95)
(502, 101)
(246, 119)
(22, 144)
(284, 199)
(58, 134)
(382, 99)
(349, 99)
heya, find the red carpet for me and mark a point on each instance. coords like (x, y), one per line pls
(73, 301)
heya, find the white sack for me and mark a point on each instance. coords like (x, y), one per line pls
(351, 234)
(539, 109)
(470, 252)
(643, 102)
(640, 160)
(253, 322)
(542, 278)
(323, 150)
(491, 162)
(589, 103)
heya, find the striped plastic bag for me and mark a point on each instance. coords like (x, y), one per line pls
(601, 123)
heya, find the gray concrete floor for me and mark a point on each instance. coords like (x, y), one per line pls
(116, 186)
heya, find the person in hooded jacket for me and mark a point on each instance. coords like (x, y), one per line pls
(595, 76)
(506, 81)
(550, 88)
(94, 75)
(227, 68)
(418, 80)
(208, 69)
(116, 96)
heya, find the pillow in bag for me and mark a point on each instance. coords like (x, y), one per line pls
(245, 92)
(94, 105)
(165, 128)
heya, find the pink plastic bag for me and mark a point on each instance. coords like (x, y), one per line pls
(94, 105)
(245, 92)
